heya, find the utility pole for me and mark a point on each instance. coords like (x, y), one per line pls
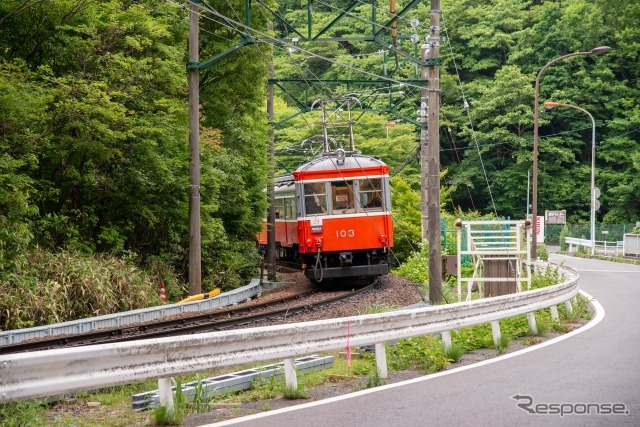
(271, 216)
(195, 267)
(433, 156)
(424, 154)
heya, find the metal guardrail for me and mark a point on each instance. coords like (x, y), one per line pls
(116, 320)
(599, 245)
(233, 382)
(54, 372)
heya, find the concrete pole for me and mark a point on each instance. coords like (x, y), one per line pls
(195, 267)
(433, 162)
(424, 155)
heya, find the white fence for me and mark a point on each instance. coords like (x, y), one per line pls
(54, 372)
(601, 246)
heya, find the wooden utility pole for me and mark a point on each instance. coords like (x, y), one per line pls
(195, 267)
(433, 157)
(271, 216)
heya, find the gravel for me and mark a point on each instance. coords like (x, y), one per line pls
(388, 292)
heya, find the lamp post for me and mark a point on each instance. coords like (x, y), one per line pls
(595, 51)
(593, 168)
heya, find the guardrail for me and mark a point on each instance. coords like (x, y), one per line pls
(54, 372)
(116, 320)
(600, 245)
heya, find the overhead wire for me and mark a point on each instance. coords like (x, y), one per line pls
(225, 21)
(273, 40)
(397, 82)
(466, 107)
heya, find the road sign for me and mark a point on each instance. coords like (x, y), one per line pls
(556, 217)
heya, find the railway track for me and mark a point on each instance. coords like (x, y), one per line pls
(247, 315)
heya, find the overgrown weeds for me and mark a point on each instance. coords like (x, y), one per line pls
(62, 286)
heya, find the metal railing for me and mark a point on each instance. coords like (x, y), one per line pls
(54, 372)
(117, 320)
(601, 246)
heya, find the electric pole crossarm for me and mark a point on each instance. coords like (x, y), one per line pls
(338, 18)
(281, 19)
(244, 41)
(301, 106)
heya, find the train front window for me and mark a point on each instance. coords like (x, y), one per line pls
(315, 198)
(371, 194)
(342, 197)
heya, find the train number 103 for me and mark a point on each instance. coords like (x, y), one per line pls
(345, 233)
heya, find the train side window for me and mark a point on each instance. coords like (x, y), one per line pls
(342, 197)
(289, 208)
(279, 208)
(371, 194)
(315, 198)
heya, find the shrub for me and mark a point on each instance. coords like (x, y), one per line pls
(564, 246)
(61, 286)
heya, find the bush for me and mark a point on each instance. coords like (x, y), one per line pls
(564, 246)
(416, 266)
(542, 252)
(60, 286)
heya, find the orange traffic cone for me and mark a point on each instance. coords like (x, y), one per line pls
(163, 292)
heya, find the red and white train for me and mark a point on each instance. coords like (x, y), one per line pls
(333, 215)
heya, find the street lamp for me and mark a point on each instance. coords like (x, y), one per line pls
(593, 168)
(595, 51)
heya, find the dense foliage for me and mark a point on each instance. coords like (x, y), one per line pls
(94, 152)
(492, 53)
(94, 138)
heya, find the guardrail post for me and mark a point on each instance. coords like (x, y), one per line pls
(568, 306)
(381, 360)
(165, 393)
(290, 379)
(495, 331)
(554, 312)
(531, 318)
(446, 340)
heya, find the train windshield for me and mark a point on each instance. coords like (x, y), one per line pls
(315, 198)
(371, 194)
(342, 197)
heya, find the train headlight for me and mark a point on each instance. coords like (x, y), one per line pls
(340, 155)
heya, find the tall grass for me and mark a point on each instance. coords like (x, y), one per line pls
(62, 286)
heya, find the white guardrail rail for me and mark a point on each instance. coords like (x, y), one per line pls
(81, 326)
(55, 372)
(600, 246)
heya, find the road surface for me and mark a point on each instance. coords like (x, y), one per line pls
(588, 378)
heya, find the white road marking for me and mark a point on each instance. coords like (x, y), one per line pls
(599, 315)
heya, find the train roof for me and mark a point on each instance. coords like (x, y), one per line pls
(284, 183)
(338, 163)
(350, 161)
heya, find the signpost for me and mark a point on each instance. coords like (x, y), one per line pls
(555, 217)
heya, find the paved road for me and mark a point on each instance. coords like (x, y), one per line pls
(598, 365)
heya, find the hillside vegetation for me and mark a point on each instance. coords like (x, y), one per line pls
(94, 158)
